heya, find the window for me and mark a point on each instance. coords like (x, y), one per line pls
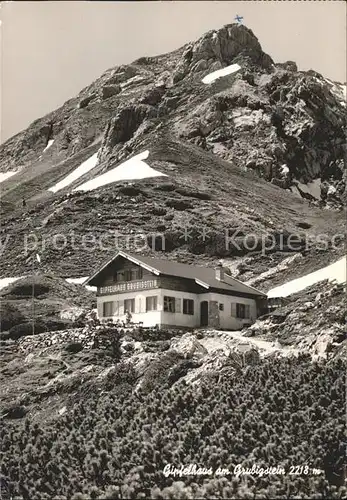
(136, 273)
(129, 274)
(188, 306)
(242, 311)
(151, 303)
(169, 304)
(119, 276)
(221, 307)
(108, 309)
(111, 308)
(129, 305)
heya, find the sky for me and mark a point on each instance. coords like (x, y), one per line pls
(51, 50)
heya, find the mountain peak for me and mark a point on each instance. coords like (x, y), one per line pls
(219, 48)
(228, 43)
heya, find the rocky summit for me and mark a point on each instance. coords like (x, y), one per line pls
(259, 150)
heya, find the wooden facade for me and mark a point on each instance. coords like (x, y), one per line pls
(109, 283)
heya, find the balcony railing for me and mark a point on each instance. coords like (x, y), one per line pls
(128, 286)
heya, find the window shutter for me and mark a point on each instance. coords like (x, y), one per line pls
(100, 309)
(247, 311)
(138, 305)
(178, 307)
(233, 310)
(117, 308)
(121, 308)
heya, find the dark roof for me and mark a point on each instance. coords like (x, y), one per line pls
(206, 275)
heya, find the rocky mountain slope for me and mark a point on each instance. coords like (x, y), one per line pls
(239, 154)
(151, 158)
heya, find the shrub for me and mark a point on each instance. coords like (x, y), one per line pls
(24, 329)
(74, 347)
(159, 370)
(193, 194)
(282, 412)
(123, 373)
(26, 289)
(10, 316)
(14, 412)
(109, 337)
(53, 325)
(180, 205)
(153, 334)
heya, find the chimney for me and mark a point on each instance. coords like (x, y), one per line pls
(219, 272)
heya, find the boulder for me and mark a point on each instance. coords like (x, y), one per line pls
(86, 101)
(72, 313)
(74, 347)
(109, 91)
(153, 96)
(122, 74)
(189, 346)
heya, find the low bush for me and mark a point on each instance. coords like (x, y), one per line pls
(26, 289)
(24, 329)
(123, 373)
(154, 334)
(10, 316)
(41, 326)
(158, 372)
(74, 347)
(53, 325)
(14, 412)
(283, 412)
(193, 194)
(180, 204)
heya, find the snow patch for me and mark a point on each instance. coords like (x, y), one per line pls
(333, 272)
(78, 172)
(312, 188)
(62, 410)
(219, 148)
(49, 144)
(4, 282)
(211, 77)
(331, 190)
(284, 169)
(338, 90)
(295, 191)
(80, 281)
(77, 280)
(132, 81)
(135, 168)
(7, 175)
